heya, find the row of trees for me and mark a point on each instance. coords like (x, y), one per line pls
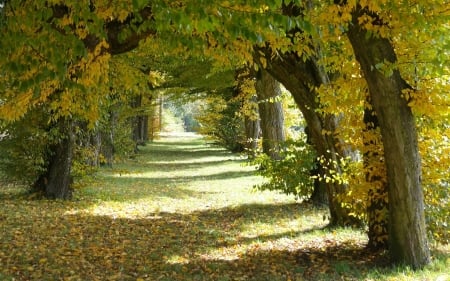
(361, 72)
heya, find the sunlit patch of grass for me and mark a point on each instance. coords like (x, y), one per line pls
(184, 210)
(190, 182)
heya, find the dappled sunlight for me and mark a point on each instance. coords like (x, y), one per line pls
(192, 221)
(177, 259)
(206, 159)
(283, 226)
(185, 170)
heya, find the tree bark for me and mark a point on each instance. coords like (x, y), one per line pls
(56, 181)
(407, 234)
(107, 135)
(140, 129)
(299, 76)
(319, 194)
(139, 123)
(271, 113)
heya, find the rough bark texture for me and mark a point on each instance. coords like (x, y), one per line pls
(271, 113)
(298, 76)
(56, 181)
(407, 235)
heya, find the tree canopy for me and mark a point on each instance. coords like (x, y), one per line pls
(371, 79)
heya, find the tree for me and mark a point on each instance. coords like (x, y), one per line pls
(302, 74)
(54, 62)
(268, 92)
(58, 66)
(245, 88)
(407, 234)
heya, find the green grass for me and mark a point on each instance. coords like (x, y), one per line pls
(184, 210)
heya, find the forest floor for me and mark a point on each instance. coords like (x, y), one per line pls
(184, 210)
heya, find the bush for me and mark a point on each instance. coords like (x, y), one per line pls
(292, 174)
(220, 122)
(24, 148)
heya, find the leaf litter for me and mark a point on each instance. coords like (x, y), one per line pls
(178, 228)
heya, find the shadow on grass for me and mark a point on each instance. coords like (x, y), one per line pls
(178, 142)
(184, 155)
(188, 165)
(182, 150)
(130, 187)
(205, 245)
(210, 177)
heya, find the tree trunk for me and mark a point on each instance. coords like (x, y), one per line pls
(252, 133)
(377, 205)
(56, 180)
(107, 136)
(319, 195)
(271, 113)
(299, 75)
(96, 143)
(160, 113)
(140, 122)
(140, 130)
(407, 234)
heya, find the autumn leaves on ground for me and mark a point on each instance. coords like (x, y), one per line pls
(182, 210)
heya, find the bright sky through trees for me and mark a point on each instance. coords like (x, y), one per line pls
(74, 73)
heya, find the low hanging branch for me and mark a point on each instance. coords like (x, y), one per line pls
(132, 25)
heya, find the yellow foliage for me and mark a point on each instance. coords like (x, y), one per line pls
(14, 111)
(156, 78)
(247, 92)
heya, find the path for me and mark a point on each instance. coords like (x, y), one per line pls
(182, 173)
(182, 210)
(196, 207)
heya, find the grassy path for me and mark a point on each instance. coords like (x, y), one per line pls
(181, 210)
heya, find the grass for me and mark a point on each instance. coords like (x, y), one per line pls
(184, 210)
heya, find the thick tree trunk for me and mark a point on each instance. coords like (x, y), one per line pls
(56, 181)
(271, 113)
(252, 125)
(407, 234)
(299, 76)
(144, 128)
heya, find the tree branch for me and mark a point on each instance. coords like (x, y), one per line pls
(113, 29)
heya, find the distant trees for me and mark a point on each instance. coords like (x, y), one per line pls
(357, 70)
